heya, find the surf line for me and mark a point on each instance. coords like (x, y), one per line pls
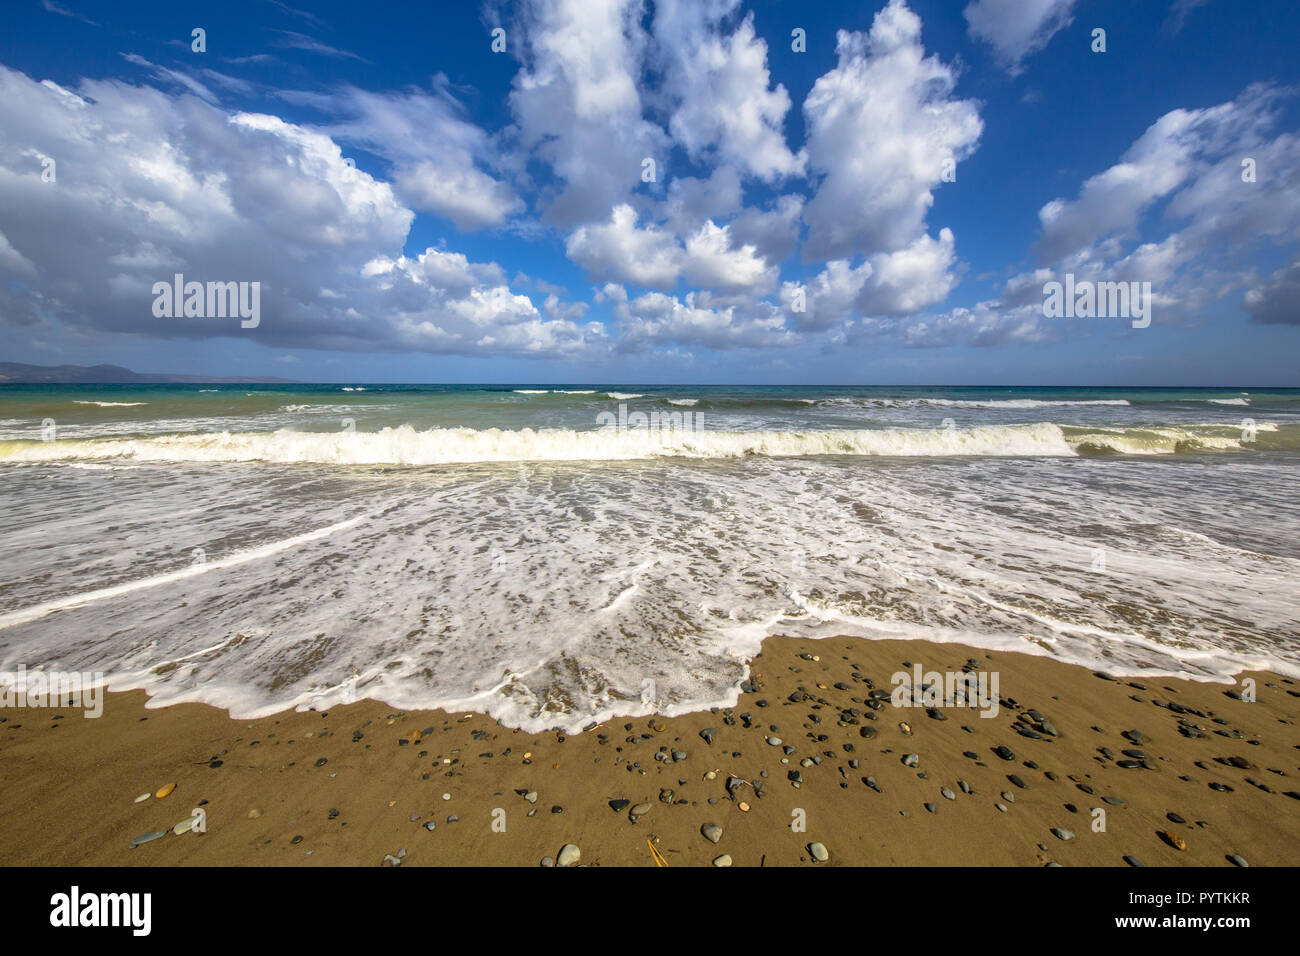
(24, 615)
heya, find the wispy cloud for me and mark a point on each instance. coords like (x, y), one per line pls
(1179, 12)
(300, 41)
(293, 11)
(175, 77)
(62, 11)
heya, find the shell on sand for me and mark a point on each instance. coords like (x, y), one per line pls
(163, 791)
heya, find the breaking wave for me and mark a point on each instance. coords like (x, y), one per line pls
(405, 445)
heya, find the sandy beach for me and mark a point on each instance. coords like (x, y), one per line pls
(1210, 778)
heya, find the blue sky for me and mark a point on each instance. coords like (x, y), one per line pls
(418, 207)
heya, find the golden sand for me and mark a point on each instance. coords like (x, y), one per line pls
(70, 784)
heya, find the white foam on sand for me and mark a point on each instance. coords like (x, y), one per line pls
(549, 594)
(28, 614)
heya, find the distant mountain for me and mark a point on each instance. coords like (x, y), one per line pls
(16, 373)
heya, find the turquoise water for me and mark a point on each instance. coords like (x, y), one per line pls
(106, 412)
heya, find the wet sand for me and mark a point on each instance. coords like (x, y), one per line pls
(70, 783)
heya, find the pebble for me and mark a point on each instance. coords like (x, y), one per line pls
(819, 852)
(1173, 839)
(947, 794)
(148, 838)
(530, 796)
(143, 797)
(1062, 834)
(1237, 861)
(1005, 753)
(774, 741)
(163, 791)
(911, 760)
(569, 855)
(712, 832)
(724, 860)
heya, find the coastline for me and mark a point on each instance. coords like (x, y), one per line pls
(71, 782)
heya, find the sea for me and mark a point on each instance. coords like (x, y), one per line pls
(556, 556)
